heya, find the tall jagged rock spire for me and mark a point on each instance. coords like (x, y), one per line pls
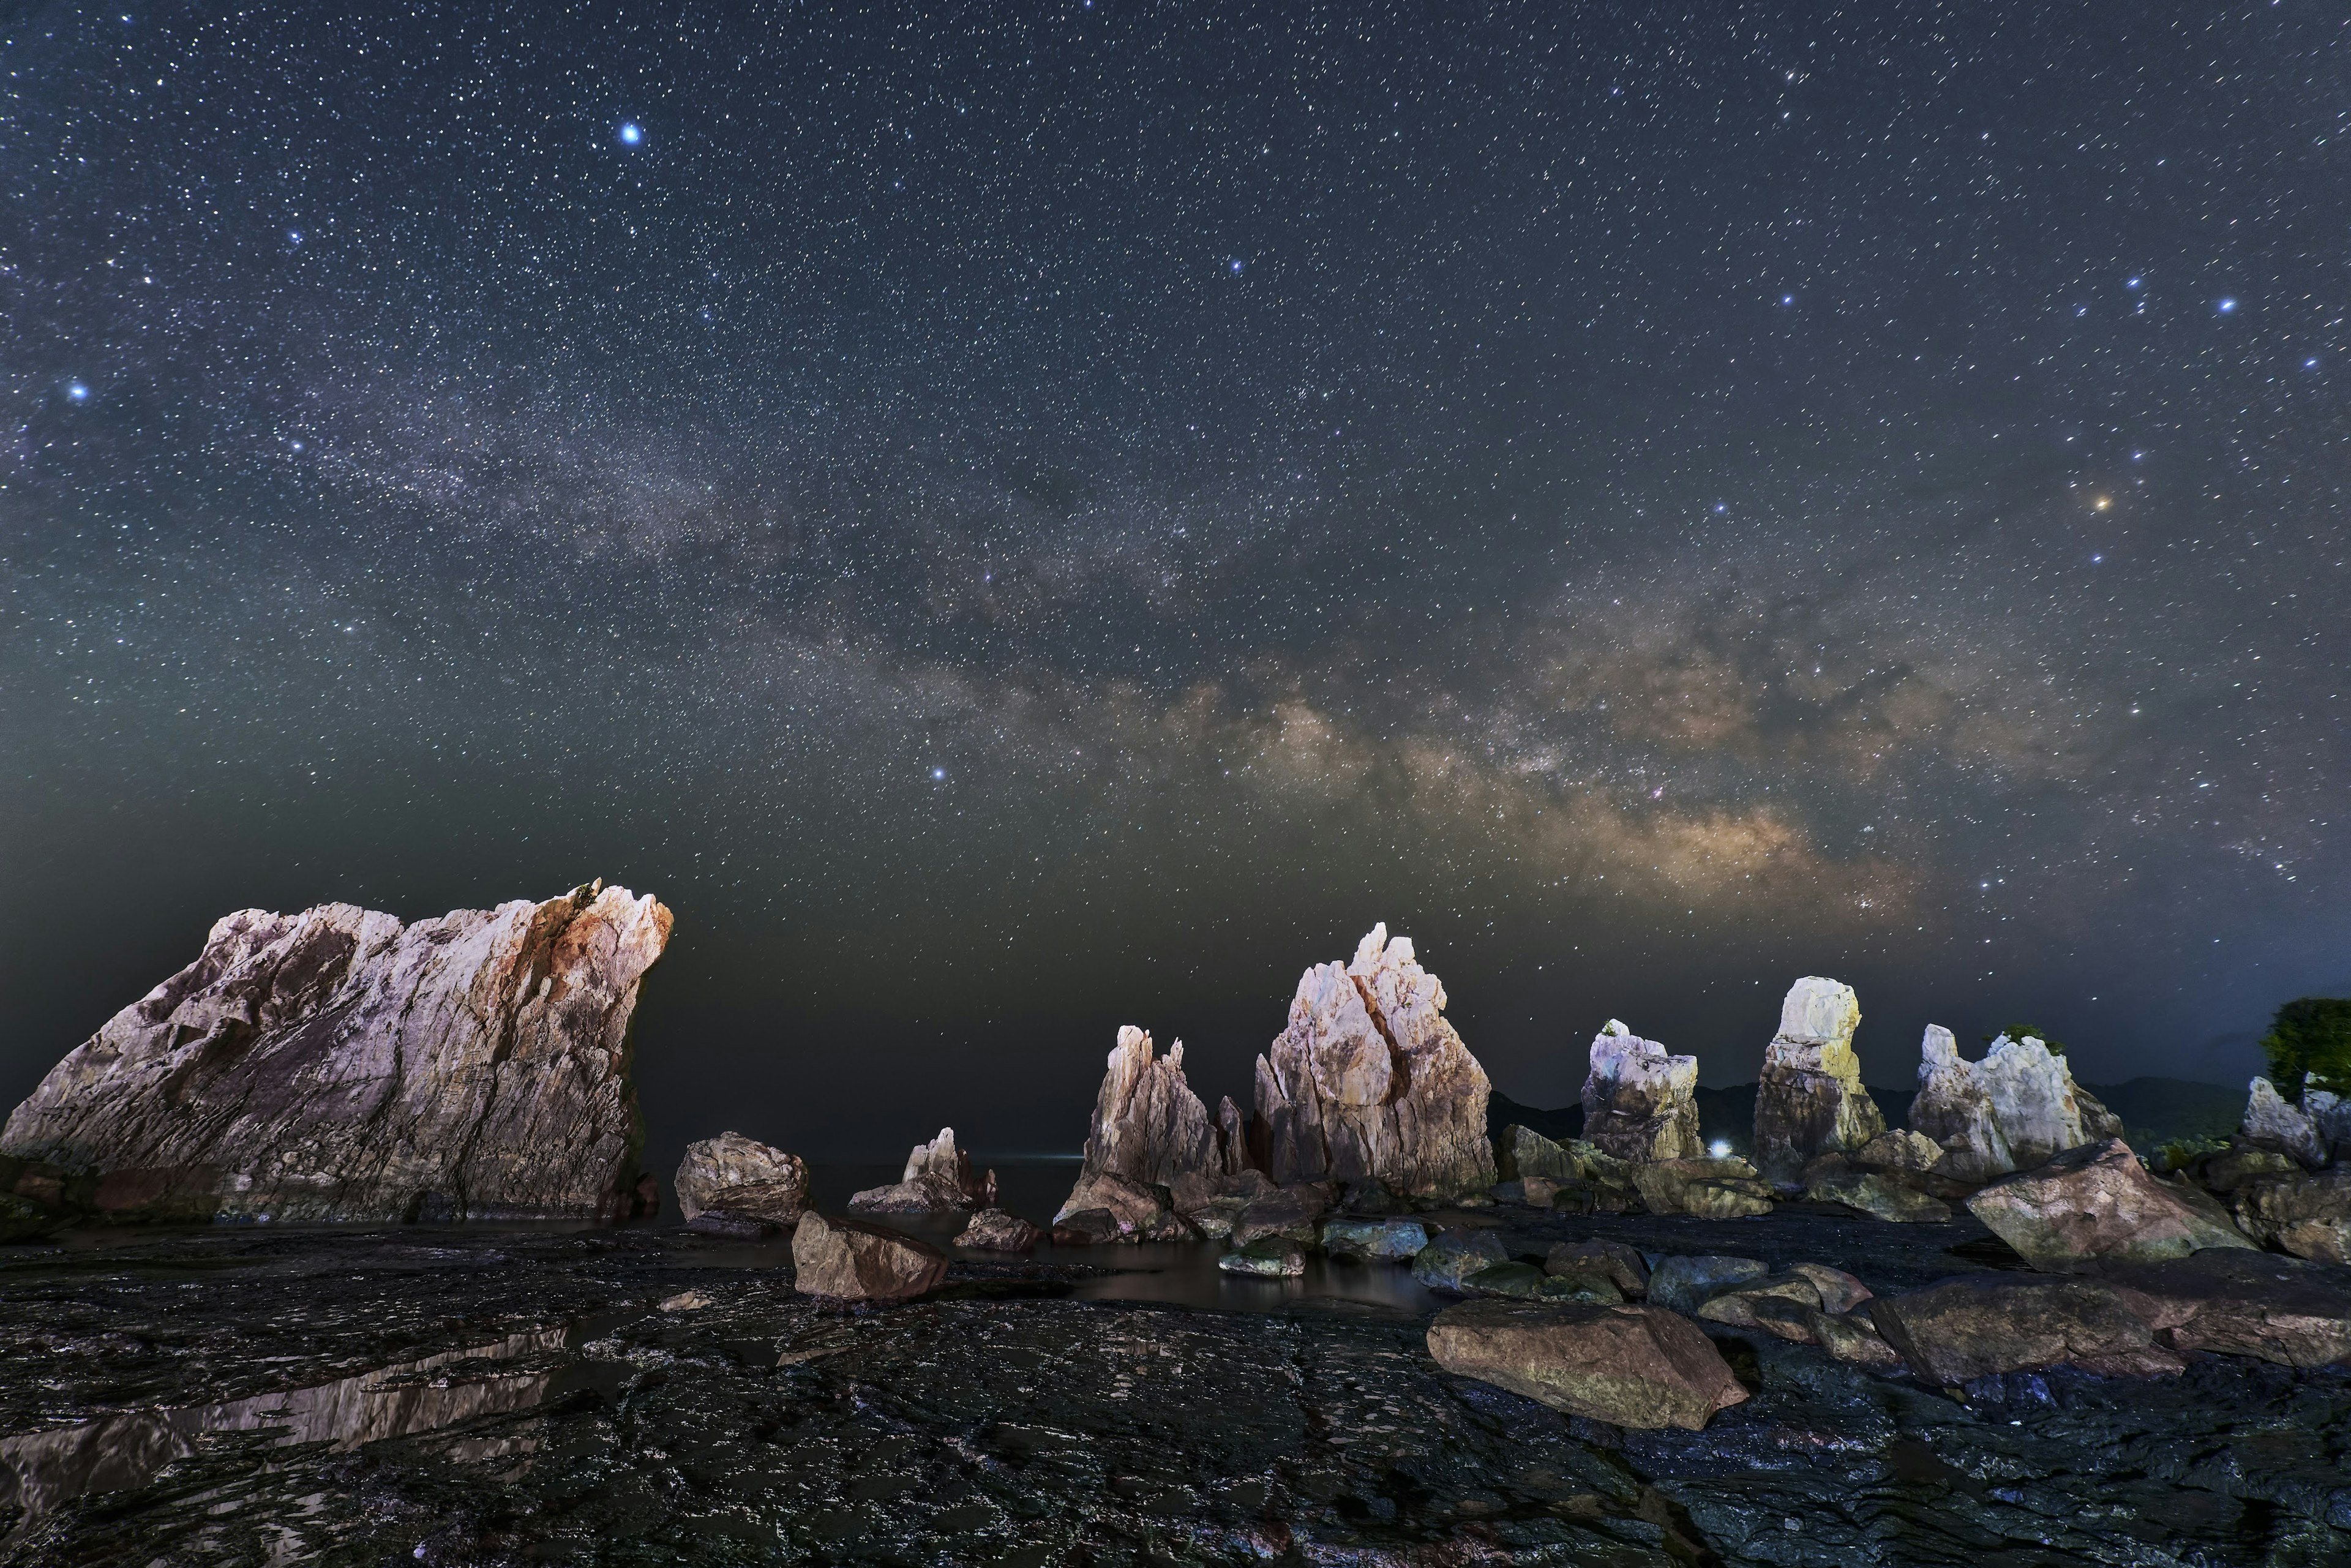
(1639, 1102)
(1369, 1080)
(1811, 1100)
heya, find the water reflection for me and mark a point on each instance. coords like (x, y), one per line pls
(38, 1470)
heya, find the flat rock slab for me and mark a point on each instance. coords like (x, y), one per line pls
(2098, 1201)
(1983, 1325)
(2242, 1303)
(1635, 1366)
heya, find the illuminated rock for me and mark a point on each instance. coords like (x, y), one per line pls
(731, 1181)
(1811, 1100)
(1150, 1129)
(937, 1180)
(1640, 1103)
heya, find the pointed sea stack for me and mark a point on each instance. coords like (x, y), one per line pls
(1811, 1100)
(337, 1064)
(1640, 1103)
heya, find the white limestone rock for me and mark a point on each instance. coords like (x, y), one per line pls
(1369, 1080)
(2034, 1100)
(1639, 1102)
(2270, 1123)
(1954, 1109)
(1811, 1100)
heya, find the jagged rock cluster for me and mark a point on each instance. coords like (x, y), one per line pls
(339, 1065)
(1640, 1103)
(1810, 1101)
(937, 1180)
(1370, 1082)
(1149, 1130)
(2016, 1109)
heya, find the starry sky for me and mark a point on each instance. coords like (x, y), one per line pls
(1017, 519)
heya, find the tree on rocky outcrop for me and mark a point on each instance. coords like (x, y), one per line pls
(2028, 1032)
(2310, 1036)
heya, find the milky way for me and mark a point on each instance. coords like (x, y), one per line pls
(1016, 520)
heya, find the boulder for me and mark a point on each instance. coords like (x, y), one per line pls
(1682, 1284)
(2307, 1214)
(1635, 1366)
(849, 1261)
(937, 1180)
(2331, 1114)
(1853, 1337)
(1137, 1209)
(1810, 1100)
(1090, 1227)
(1523, 1282)
(734, 1183)
(1789, 1304)
(1522, 1152)
(1900, 1150)
(2241, 1303)
(1293, 1212)
(338, 1065)
(1980, 1326)
(1000, 1230)
(2233, 1168)
(1369, 1080)
(1268, 1257)
(1877, 1197)
(1725, 1188)
(1375, 1240)
(1953, 1110)
(1621, 1265)
(2270, 1123)
(1575, 1285)
(1369, 1196)
(1214, 1218)
(1448, 1261)
(1150, 1129)
(1640, 1103)
(2098, 1201)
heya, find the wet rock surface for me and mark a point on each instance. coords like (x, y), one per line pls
(452, 1395)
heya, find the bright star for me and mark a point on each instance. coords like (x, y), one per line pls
(2310, 364)
(2227, 306)
(2132, 284)
(632, 133)
(1235, 264)
(1787, 299)
(938, 773)
(294, 237)
(78, 392)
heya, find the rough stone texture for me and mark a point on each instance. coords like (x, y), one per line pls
(2034, 1100)
(2306, 1213)
(1448, 1261)
(1810, 1100)
(1372, 1240)
(2271, 1123)
(1639, 1102)
(2098, 1201)
(2331, 1115)
(2241, 1303)
(1136, 1206)
(1634, 1366)
(336, 1064)
(734, 1178)
(1900, 1149)
(1000, 1230)
(848, 1260)
(1954, 1109)
(1292, 1211)
(1090, 1227)
(1267, 1256)
(1876, 1197)
(1725, 1188)
(1150, 1128)
(1682, 1283)
(937, 1180)
(1369, 1080)
(1621, 1265)
(1982, 1325)
(1522, 1152)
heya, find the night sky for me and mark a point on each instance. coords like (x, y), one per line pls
(1018, 519)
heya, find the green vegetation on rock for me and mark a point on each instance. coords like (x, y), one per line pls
(2019, 1031)
(2309, 1035)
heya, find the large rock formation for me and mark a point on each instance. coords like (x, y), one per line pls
(2098, 1202)
(1369, 1080)
(337, 1064)
(1150, 1129)
(937, 1180)
(1811, 1100)
(2035, 1100)
(1640, 1103)
(733, 1183)
(1954, 1109)
(2016, 1109)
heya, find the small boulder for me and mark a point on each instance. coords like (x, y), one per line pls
(2098, 1201)
(1736, 1306)
(1448, 1261)
(1724, 1189)
(1683, 1283)
(734, 1185)
(1000, 1230)
(845, 1260)
(1522, 1152)
(1852, 1337)
(1138, 1206)
(1375, 1240)
(2270, 1123)
(2307, 1214)
(1267, 1256)
(1877, 1197)
(1980, 1326)
(1840, 1291)
(1293, 1212)
(1522, 1281)
(1214, 1218)
(1090, 1227)
(2233, 1168)
(1576, 1285)
(1635, 1366)
(1899, 1150)
(1621, 1265)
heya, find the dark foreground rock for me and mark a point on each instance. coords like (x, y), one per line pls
(846, 1260)
(2098, 1202)
(337, 1064)
(1628, 1366)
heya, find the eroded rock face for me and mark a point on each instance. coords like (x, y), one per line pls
(937, 1180)
(1954, 1109)
(2098, 1202)
(1639, 1102)
(2033, 1099)
(2241, 1303)
(1369, 1080)
(2306, 1213)
(1880, 1197)
(1810, 1101)
(998, 1230)
(1724, 1189)
(337, 1064)
(2270, 1123)
(2016, 1109)
(737, 1181)
(1637, 1366)
(848, 1260)
(1150, 1128)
